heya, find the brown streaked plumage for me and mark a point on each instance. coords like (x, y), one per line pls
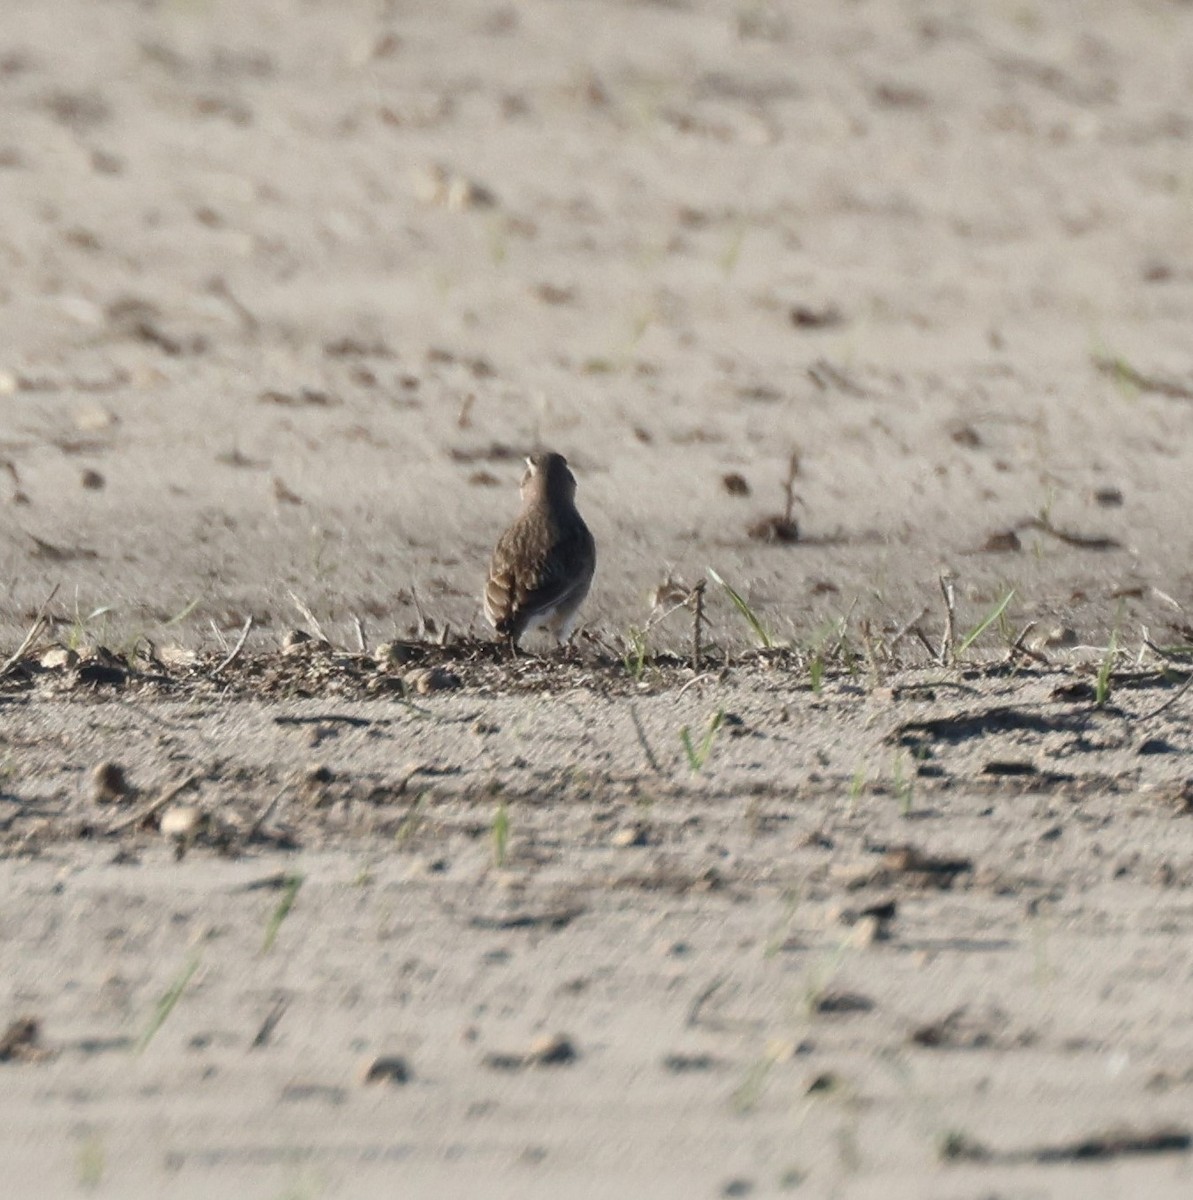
(543, 565)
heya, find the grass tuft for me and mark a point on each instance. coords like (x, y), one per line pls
(698, 754)
(290, 887)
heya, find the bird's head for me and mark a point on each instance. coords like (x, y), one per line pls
(548, 478)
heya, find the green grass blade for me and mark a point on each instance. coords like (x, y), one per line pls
(760, 631)
(992, 616)
(165, 1006)
(285, 904)
(685, 736)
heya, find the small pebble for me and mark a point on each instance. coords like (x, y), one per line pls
(91, 418)
(296, 641)
(552, 1050)
(58, 658)
(394, 653)
(426, 680)
(181, 822)
(388, 1068)
(631, 835)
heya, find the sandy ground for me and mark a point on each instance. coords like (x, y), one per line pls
(287, 289)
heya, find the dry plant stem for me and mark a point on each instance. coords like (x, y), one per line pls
(948, 638)
(412, 769)
(789, 487)
(309, 616)
(839, 644)
(266, 812)
(1017, 647)
(143, 814)
(662, 616)
(696, 1008)
(422, 617)
(361, 642)
(693, 682)
(697, 622)
(217, 287)
(1166, 655)
(234, 653)
(923, 639)
(1170, 701)
(30, 637)
(903, 631)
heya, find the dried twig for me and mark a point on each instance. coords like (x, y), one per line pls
(145, 812)
(923, 639)
(234, 653)
(223, 641)
(696, 1008)
(310, 617)
(270, 1023)
(360, 634)
(30, 637)
(909, 628)
(948, 638)
(1170, 701)
(259, 820)
(842, 631)
(697, 598)
(698, 679)
(1018, 646)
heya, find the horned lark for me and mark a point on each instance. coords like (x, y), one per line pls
(543, 565)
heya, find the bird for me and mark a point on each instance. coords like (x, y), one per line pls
(542, 566)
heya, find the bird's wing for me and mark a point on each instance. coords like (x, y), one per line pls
(532, 575)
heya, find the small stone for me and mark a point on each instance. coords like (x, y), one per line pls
(92, 480)
(631, 835)
(174, 655)
(108, 782)
(435, 185)
(737, 1187)
(865, 932)
(296, 641)
(683, 1064)
(390, 654)
(21, 1042)
(835, 1003)
(552, 1050)
(388, 1068)
(9, 383)
(180, 822)
(1061, 637)
(431, 679)
(92, 418)
(58, 658)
